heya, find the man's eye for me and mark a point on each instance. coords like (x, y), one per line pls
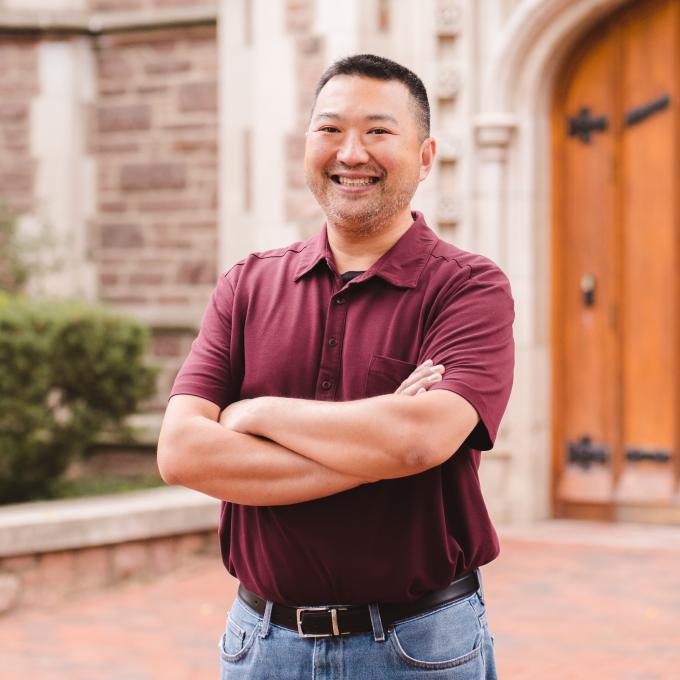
(328, 128)
(379, 131)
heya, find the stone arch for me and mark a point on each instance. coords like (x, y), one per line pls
(538, 37)
(513, 214)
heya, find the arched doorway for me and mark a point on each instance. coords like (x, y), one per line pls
(616, 269)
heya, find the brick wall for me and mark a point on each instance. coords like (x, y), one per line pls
(18, 86)
(155, 139)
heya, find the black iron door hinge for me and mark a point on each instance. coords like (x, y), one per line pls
(584, 453)
(657, 456)
(583, 124)
(641, 112)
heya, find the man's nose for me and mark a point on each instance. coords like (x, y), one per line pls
(352, 150)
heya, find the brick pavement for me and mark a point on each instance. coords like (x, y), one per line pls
(565, 600)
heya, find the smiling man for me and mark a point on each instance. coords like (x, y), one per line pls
(337, 399)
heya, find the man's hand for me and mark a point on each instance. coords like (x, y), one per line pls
(421, 379)
(235, 416)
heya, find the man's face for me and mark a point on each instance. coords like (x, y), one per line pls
(364, 157)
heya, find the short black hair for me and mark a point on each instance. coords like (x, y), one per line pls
(380, 68)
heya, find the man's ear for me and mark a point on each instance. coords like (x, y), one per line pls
(428, 149)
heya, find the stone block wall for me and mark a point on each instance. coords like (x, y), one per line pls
(151, 134)
(168, 348)
(131, 5)
(18, 87)
(45, 579)
(155, 141)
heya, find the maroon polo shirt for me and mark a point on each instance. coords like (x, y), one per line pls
(283, 323)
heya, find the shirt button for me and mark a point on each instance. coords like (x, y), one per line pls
(340, 301)
(326, 384)
(332, 342)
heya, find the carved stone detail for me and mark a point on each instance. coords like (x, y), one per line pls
(448, 18)
(448, 210)
(449, 82)
(449, 148)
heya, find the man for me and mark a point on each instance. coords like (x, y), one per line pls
(337, 398)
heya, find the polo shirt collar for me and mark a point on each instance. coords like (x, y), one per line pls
(401, 265)
(315, 249)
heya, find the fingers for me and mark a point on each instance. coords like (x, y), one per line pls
(421, 384)
(422, 377)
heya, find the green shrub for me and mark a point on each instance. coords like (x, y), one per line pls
(14, 271)
(68, 372)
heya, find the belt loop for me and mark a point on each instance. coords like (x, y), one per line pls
(481, 586)
(267, 618)
(376, 623)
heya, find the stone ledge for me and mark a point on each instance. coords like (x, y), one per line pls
(146, 427)
(611, 535)
(186, 318)
(50, 526)
(96, 23)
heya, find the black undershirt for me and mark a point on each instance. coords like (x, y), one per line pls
(348, 276)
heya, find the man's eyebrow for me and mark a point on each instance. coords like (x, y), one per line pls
(373, 117)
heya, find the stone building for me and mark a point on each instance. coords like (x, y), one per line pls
(156, 142)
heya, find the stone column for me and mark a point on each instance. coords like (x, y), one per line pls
(504, 474)
(345, 26)
(493, 134)
(256, 111)
(64, 190)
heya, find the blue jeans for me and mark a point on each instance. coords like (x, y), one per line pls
(451, 642)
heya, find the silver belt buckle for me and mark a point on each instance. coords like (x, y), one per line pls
(334, 621)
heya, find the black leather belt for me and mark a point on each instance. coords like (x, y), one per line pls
(343, 620)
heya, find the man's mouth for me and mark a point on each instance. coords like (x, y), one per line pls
(353, 181)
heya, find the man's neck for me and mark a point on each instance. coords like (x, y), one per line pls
(358, 252)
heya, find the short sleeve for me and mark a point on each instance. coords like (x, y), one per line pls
(206, 371)
(471, 335)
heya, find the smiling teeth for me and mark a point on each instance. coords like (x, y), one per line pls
(355, 182)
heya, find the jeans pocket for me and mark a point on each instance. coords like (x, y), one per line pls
(448, 637)
(239, 635)
(233, 638)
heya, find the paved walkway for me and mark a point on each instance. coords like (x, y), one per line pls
(565, 600)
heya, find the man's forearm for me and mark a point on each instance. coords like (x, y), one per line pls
(246, 469)
(369, 437)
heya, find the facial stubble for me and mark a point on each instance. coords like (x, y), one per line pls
(372, 217)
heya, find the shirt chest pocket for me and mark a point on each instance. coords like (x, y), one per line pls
(385, 374)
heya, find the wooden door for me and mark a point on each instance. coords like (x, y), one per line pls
(616, 336)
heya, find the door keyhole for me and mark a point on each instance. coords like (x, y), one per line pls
(588, 289)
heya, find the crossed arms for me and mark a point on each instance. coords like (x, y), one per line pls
(276, 451)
